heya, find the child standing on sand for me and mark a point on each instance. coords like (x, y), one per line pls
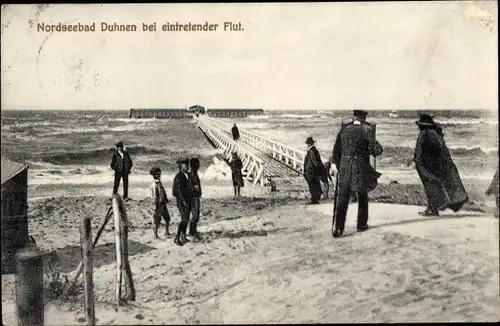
(160, 201)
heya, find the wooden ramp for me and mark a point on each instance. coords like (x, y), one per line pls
(262, 158)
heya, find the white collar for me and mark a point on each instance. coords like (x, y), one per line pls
(308, 148)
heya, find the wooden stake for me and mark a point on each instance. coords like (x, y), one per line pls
(118, 246)
(129, 282)
(29, 287)
(98, 234)
(86, 245)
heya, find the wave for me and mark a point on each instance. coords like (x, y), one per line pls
(95, 156)
(463, 151)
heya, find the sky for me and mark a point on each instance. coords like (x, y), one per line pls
(381, 55)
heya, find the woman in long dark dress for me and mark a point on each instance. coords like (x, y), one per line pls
(236, 166)
(439, 175)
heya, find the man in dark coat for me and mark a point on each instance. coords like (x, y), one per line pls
(183, 192)
(313, 171)
(235, 132)
(439, 175)
(194, 165)
(351, 155)
(121, 163)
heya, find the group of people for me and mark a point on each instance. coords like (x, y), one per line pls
(354, 144)
(187, 191)
(350, 162)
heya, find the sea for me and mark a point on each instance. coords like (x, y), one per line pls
(74, 147)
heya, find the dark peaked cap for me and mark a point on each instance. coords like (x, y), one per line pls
(155, 171)
(119, 144)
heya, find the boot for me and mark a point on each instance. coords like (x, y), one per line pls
(196, 235)
(192, 228)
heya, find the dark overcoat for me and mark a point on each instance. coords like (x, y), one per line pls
(236, 173)
(121, 166)
(351, 154)
(439, 175)
(313, 166)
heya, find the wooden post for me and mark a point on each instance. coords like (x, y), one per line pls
(129, 282)
(29, 287)
(88, 283)
(118, 246)
(98, 234)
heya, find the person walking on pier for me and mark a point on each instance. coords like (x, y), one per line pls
(313, 171)
(235, 132)
(354, 144)
(439, 175)
(236, 174)
(160, 201)
(194, 165)
(121, 163)
(183, 193)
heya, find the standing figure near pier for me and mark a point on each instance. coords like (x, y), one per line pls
(183, 193)
(313, 171)
(160, 201)
(351, 155)
(236, 174)
(439, 175)
(235, 132)
(194, 165)
(326, 178)
(121, 163)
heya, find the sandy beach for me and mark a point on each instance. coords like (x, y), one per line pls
(270, 258)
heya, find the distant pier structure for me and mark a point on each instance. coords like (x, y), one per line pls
(160, 113)
(233, 113)
(193, 110)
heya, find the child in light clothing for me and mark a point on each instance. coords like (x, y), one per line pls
(160, 201)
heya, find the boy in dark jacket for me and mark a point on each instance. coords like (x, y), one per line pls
(160, 201)
(194, 165)
(183, 192)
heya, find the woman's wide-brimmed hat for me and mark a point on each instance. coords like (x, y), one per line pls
(425, 120)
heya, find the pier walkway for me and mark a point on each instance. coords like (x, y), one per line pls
(262, 157)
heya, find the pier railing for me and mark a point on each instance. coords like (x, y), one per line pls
(292, 157)
(251, 163)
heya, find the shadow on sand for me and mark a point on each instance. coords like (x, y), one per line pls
(104, 254)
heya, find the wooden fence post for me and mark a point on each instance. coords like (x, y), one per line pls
(129, 282)
(29, 287)
(86, 245)
(118, 246)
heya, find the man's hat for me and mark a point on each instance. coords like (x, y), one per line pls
(183, 161)
(155, 171)
(425, 120)
(360, 113)
(310, 141)
(119, 144)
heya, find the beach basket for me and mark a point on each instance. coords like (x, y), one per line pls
(14, 216)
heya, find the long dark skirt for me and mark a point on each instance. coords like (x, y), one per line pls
(237, 176)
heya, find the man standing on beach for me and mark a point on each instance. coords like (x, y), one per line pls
(439, 175)
(235, 132)
(183, 192)
(121, 163)
(351, 155)
(313, 171)
(194, 165)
